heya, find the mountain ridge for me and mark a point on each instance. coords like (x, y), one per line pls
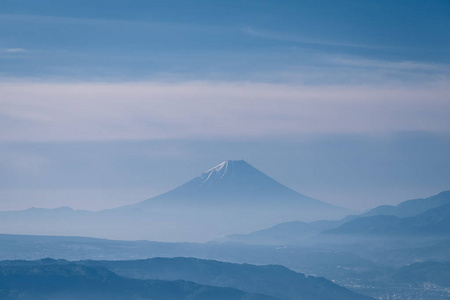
(282, 283)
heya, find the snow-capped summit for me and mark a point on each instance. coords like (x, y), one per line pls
(232, 180)
(219, 171)
(228, 169)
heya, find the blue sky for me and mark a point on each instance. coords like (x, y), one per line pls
(136, 40)
(109, 102)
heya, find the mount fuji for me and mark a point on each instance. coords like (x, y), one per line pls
(231, 198)
(235, 183)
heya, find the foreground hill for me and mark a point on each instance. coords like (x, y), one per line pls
(272, 280)
(54, 280)
(161, 278)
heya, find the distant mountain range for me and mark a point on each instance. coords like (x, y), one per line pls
(431, 223)
(428, 217)
(232, 197)
(162, 278)
(410, 208)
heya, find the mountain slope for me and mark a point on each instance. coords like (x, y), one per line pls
(50, 279)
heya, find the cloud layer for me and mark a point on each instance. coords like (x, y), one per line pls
(155, 110)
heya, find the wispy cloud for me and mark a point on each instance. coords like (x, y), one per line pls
(287, 37)
(155, 110)
(384, 64)
(15, 50)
